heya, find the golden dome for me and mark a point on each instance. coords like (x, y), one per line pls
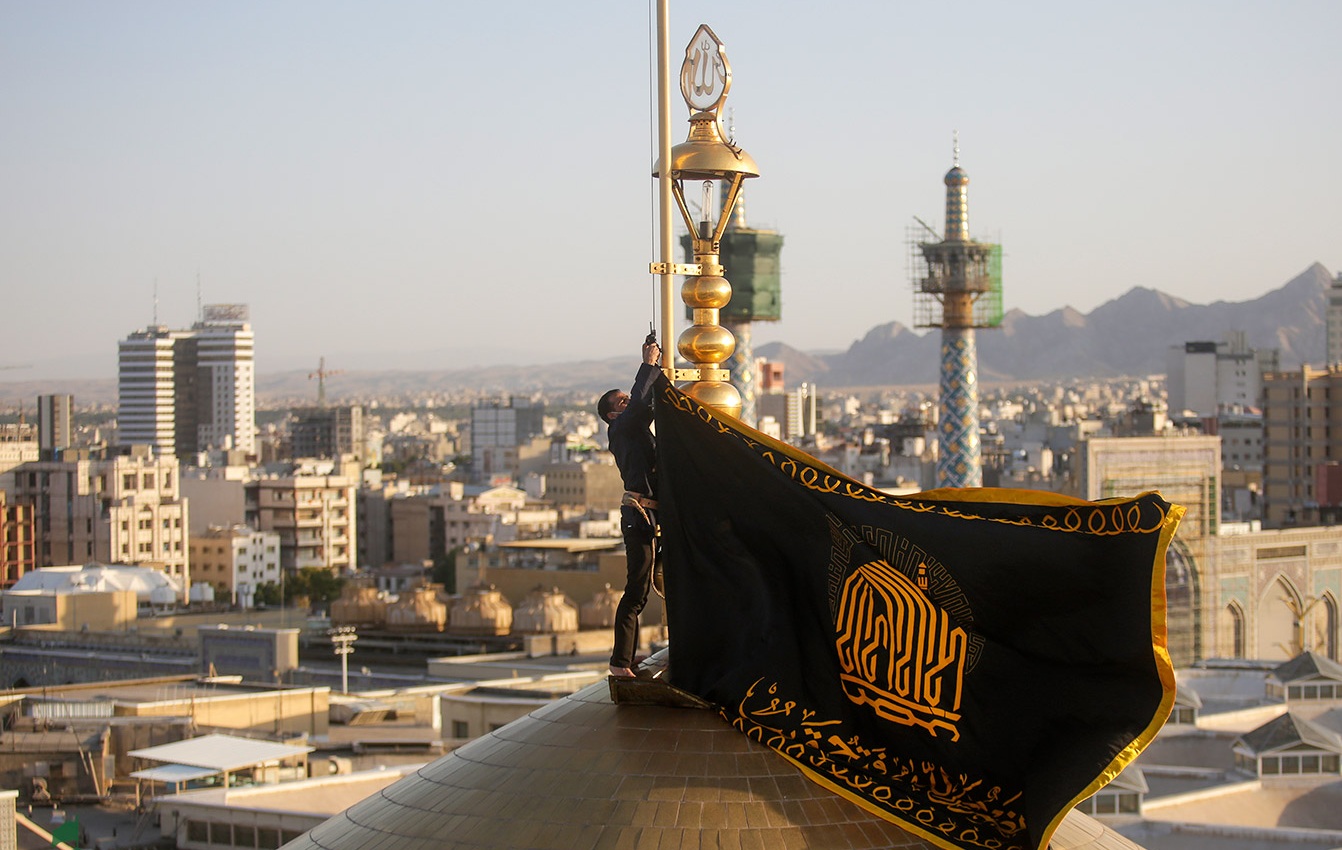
(582, 772)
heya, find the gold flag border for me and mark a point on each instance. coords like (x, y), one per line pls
(986, 495)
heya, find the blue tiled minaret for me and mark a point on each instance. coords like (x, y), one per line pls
(959, 272)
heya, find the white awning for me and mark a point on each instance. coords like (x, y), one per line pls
(220, 753)
(174, 773)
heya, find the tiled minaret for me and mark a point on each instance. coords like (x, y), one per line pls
(959, 273)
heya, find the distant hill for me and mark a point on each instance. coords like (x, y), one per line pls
(1126, 336)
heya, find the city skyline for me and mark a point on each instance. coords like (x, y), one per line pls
(383, 182)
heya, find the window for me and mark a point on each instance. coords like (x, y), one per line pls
(149, 481)
(461, 729)
(128, 481)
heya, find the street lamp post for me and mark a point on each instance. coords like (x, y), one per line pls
(342, 644)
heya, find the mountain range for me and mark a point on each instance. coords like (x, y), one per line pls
(1129, 335)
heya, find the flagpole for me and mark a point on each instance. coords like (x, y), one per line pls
(664, 185)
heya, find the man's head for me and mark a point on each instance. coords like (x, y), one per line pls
(611, 404)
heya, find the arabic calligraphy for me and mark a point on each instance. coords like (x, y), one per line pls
(1098, 519)
(947, 804)
(704, 75)
(899, 653)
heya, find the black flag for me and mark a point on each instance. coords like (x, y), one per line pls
(968, 663)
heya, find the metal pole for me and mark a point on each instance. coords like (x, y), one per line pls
(665, 197)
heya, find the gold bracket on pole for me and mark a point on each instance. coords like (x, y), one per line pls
(687, 269)
(702, 375)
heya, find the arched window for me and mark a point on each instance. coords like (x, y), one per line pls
(1325, 626)
(1230, 631)
(1182, 605)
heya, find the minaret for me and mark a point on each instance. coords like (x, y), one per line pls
(959, 274)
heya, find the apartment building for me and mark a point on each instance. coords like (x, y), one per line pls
(125, 509)
(314, 516)
(1302, 442)
(235, 561)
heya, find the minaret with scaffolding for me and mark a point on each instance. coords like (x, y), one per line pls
(958, 288)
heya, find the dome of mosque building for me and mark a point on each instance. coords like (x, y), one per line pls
(583, 772)
(545, 612)
(481, 611)
(957, 176)
(599, 612)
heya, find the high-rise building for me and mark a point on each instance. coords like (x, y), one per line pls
(958, 288)
(1333, 321)
(54, 423)
(497, 432)
(1210, 377)
(327, 432)
(188, 391)
(1302, 442)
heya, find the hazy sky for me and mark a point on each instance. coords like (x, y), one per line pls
(444, 184)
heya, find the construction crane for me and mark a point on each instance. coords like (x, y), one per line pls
(321, 375)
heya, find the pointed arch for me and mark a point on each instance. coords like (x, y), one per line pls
(1280, 625)
(1183, 605)
(1230, 631)
(1324, 637)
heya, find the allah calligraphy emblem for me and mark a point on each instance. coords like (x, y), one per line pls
(705, 75)
(903, 628)
(899, 653)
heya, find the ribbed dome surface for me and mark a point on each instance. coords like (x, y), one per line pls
(585, 773)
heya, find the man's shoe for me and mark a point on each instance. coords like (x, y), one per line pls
(621, 672)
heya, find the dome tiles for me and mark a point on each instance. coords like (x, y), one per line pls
(583, 773)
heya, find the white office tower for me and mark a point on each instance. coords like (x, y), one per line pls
(226, 382)
(188, 391)
(146, 396)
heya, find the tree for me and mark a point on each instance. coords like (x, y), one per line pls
(318, 585)
(267, 593)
